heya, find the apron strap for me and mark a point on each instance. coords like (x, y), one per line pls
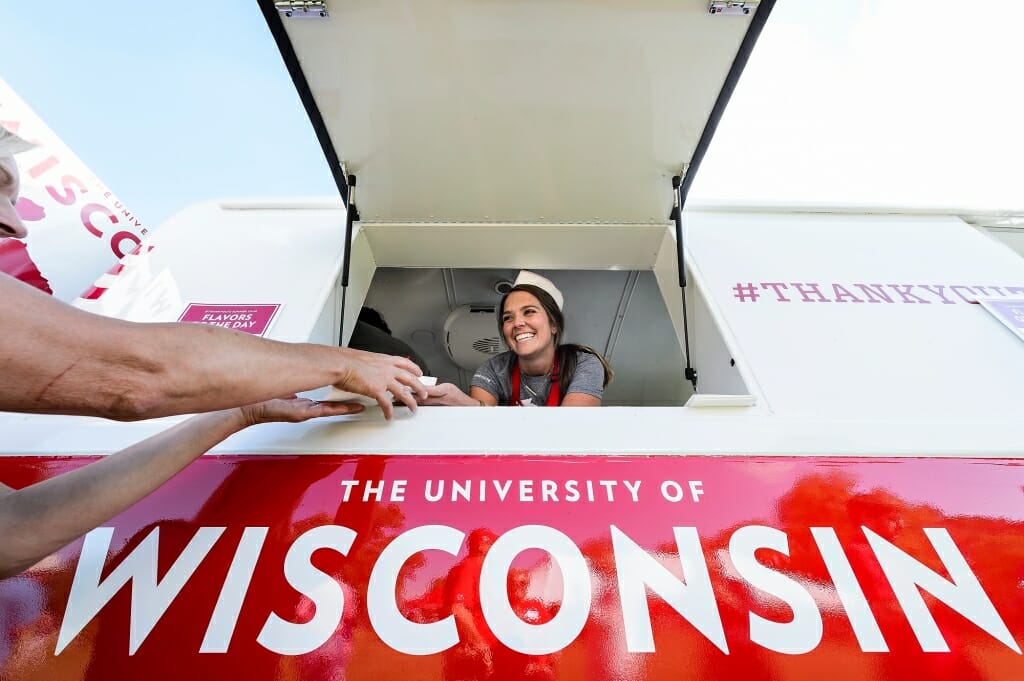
(554, 395)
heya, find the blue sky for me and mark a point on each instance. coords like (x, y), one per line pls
(168, 103)
(870, 101)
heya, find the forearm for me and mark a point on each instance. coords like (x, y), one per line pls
(200, 368)
(40, 519)
(481, 398)
(581, 400)
(60, 360)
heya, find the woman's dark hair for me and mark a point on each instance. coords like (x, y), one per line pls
(566, 352)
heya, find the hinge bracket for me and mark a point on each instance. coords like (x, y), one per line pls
(732, 6)
(302, 9)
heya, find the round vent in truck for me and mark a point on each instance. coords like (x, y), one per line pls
(471, 335)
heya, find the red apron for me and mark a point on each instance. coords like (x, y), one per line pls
(554, 395)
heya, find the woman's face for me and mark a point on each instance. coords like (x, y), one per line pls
(10, 224)
(525, 325)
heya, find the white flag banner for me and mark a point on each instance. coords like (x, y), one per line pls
(77, 227)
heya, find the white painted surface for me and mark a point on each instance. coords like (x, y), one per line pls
(603, 431)
(539, 247)
(864, 361)
(559, 111)
(233, 255)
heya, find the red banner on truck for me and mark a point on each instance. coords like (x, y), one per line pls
(478, 567)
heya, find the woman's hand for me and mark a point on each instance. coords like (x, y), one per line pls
(294, 410)
(448, 395)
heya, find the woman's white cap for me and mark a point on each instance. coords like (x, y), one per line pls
(534, 279)
(10, 221)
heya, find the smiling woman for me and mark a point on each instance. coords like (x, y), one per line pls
(538, 370)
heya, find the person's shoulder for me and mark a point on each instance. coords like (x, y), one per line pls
(588, 361)
(493, 376)
(589, 375)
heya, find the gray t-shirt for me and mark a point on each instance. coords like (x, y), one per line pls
(495, 376)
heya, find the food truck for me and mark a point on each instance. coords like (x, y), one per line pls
(807, 465)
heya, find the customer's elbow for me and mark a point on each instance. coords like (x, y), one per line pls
(137, 401)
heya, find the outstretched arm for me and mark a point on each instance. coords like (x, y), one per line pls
(59, 359)
(449, 395)
(42, 518)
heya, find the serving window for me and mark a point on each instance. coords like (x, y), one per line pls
(621, 298)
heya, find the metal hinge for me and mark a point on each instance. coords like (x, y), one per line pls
(732, 6)
(302, 9)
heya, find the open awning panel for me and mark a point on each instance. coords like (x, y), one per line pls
(516, 111)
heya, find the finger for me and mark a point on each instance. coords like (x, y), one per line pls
(337, 408)
(409, 365)
(429, 400)
(402, 394)
(414, 384)
(384, 400)
(417, 391)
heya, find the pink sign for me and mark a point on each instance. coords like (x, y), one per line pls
(254, 319)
